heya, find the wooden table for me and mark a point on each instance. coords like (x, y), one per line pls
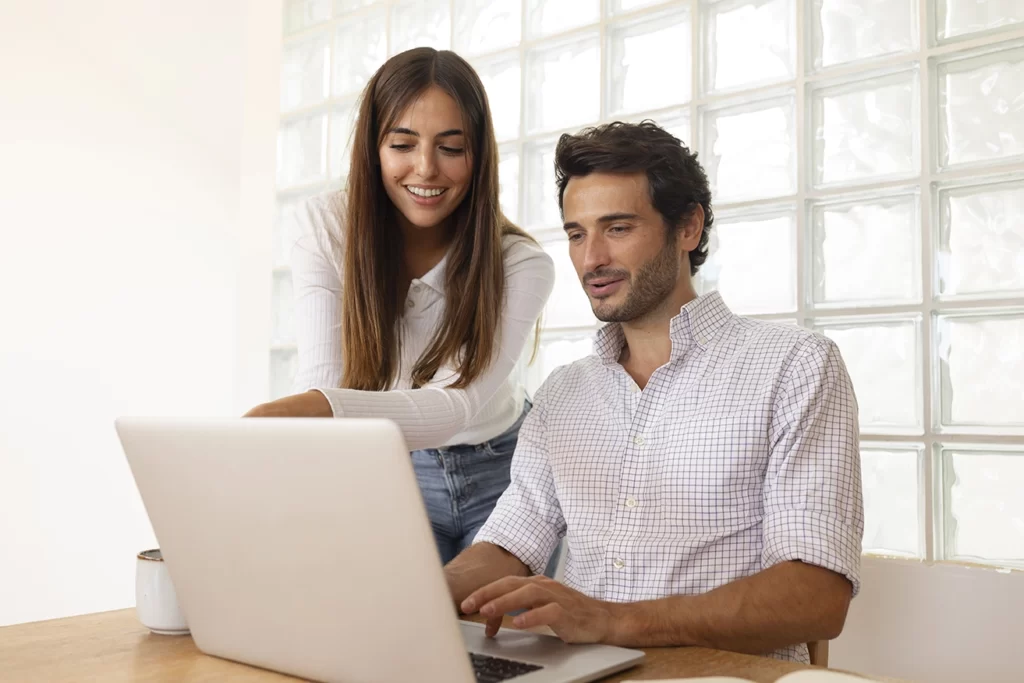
(113, 646)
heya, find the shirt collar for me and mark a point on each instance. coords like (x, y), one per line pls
(698, 322)
(435, 277)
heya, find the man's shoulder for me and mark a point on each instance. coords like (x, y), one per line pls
(567, 380)
(782, 339)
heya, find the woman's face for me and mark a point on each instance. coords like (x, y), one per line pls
(425, 160)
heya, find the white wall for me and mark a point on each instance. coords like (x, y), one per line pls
(137, 143)
(939, 623)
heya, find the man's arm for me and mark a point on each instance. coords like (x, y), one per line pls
(479, 565)
(788, 603)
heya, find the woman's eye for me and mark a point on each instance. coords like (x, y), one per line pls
(401, 148)
(452, 150)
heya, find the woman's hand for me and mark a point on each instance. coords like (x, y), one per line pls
(309, 404)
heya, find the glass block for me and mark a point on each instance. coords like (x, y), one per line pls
(892, 524)
(486, 25)
(867, 130)
(343, 6)
(343, 119)
(623, 6)
(547, 17)
(304, 69)
(981, 364)
(883, 362)
(300, 14)
(420, 24)
(501, 79)
(955, 18)
(752, 263)
(565, 85)
(847, 31)
(360, 47)
(554, 353)
(638, 55)
(749, 152)
(284, 364)
(981, 108)
(981, 240)
(569, 305)
(282, 307)
(747, 43)
(286, 227)
(508, 182)
(541, 191)
(301, 152)
(866, 252)
(984, 508)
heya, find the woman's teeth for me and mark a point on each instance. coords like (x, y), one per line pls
(423, 192)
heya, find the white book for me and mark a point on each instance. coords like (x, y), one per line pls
(808, 676)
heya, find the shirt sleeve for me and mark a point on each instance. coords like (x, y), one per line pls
(527, 520)
(316, 283)
(431, 415)
(814, 509)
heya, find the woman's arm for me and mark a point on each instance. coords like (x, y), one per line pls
(430, 416)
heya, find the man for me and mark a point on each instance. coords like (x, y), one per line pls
(703, 467)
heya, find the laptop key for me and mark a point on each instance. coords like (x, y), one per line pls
(495, 669)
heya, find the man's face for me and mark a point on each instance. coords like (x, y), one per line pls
(627, 259)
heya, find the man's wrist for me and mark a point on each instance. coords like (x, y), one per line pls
(622, 619)
(652, 623)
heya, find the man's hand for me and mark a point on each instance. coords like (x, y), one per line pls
(574, 617)
(309, 404)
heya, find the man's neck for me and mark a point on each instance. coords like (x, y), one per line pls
(648, 342)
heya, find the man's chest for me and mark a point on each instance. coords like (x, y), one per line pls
(690, 451)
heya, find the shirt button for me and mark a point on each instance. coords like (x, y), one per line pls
(410, 303)
(416, 288)
(631, 502)
(618, 563)
(633, 389)
(638, 440)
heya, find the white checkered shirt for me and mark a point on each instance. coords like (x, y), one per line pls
(740, 453)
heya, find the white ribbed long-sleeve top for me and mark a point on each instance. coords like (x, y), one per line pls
(433, 415)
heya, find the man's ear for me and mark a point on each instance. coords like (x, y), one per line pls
(691, 229)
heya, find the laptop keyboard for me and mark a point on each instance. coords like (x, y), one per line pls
(495, 669)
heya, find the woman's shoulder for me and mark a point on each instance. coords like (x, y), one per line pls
(325, 211)
(522, 251)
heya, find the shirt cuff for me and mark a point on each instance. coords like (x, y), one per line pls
(533, 552)
(335, 409)
(813, 538)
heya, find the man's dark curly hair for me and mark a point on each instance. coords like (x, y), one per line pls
(678, 182)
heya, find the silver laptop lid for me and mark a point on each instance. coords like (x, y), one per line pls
(299, 545)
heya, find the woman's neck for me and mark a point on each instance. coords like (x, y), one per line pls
(423, 247)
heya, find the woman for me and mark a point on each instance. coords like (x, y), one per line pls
(415, 296)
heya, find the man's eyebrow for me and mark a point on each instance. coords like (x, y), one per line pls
(608, 218)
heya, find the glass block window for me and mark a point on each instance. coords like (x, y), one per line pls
(867, 161)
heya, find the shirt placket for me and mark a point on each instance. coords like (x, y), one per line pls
(621, 556)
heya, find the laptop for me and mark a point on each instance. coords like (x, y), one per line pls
(303, 546)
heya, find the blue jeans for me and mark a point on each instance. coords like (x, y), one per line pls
(461, 485)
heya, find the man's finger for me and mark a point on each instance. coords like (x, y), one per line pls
(527, 596)
(493, 624)
(482, 596)
(550, 615)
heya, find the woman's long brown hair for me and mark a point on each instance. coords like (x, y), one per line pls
(467, 337)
